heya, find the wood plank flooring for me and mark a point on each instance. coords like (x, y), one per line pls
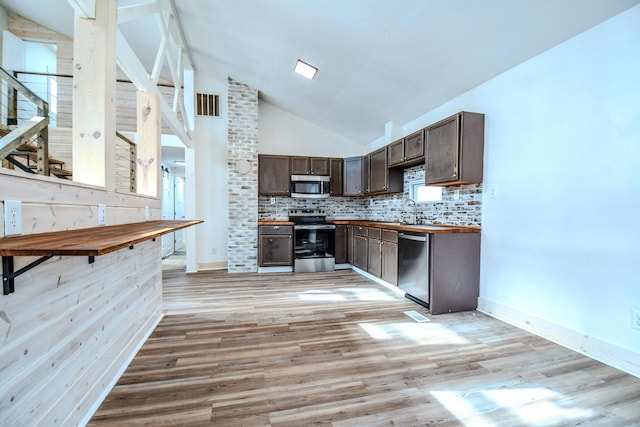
(337, 349)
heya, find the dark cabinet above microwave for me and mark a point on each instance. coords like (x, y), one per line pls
(309, 165)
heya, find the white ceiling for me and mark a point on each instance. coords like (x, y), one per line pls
(378, 60)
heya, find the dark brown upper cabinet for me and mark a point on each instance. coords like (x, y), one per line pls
(335, 174)
(274, 175)
(309, 165)
(454, 150)
(354, 176)
(408, 151)
(381, 178)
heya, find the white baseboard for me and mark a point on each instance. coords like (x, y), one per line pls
(283, 269)
(379, 281)
(125, 364)
(212, 265)
(602, 351)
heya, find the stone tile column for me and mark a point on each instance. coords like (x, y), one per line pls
(243, 178)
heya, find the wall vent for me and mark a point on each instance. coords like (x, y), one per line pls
(208, 105)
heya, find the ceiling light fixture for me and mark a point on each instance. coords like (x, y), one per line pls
(305, 69)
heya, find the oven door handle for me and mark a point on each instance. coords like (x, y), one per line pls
(315, 227)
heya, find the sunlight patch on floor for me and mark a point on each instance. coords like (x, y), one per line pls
(344, 294)
(533, 406)
(419, 333)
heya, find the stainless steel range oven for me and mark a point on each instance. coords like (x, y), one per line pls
(314, 241)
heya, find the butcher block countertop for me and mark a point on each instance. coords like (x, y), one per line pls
(274, 222)
(416, 228)
(88, 241)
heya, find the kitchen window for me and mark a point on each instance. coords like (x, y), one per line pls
(422, 193)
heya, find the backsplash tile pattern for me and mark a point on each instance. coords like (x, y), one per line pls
(243, 188)
(467, 210)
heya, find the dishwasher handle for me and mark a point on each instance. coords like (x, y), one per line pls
(421, 238)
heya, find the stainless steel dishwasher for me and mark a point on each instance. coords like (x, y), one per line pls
(413, 266)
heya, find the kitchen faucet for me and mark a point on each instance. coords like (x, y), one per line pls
(415, 211)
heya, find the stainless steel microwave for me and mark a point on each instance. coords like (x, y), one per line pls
(310, 186)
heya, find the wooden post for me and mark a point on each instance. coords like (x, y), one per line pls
(148, 149)
(94, 95)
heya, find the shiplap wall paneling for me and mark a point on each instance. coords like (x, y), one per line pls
(94, 314)
(37, 188)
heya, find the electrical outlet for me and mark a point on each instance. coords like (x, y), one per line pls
(147, 213)
(456, 194)
(272, 200)
(214, 251)
(492, 193)
(12, 217)
(102, 220)
(635, 317)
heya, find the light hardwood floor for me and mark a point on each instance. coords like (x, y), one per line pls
(337, 349)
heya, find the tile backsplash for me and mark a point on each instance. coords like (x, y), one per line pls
(466, 210)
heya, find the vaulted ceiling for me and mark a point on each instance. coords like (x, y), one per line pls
(378, 60)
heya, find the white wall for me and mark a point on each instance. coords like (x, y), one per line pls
(281, 132)
(210, 182)
(562, 150)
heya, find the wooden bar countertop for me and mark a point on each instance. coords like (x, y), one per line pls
(92, 241)
(416, 228)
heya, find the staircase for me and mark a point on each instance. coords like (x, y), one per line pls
(25, 157)
(24, 145)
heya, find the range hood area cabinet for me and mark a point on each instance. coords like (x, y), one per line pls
(274, 172)
(309, 165)
(274, 175)
(455, 149)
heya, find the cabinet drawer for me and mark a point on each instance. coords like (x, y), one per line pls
(359, 230)
(276, 229)
(375, 233)
(390, 236)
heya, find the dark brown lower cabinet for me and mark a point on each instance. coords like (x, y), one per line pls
(276, 245)
(374, 251)
(360, 248)
(390, 256)
(341, 242)
(350, 244)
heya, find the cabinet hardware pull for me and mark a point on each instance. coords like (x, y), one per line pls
(270, 240)
(276, 227)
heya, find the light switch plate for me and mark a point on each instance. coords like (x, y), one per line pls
(12, 217)
(147, 213)
(102, 219)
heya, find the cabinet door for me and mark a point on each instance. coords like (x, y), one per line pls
(414, 145)
(335, 173)
(276, 250)
(274, 176)
(374, 265)
(300, 165)
(360, 252)
(341, 242)
(379, 174)
(442, 151)
(353, 183)
(350, 243)
(319, 165)
(366, 173)
(390, 262)
(396, 152)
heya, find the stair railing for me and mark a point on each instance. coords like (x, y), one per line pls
(37, 127)
(132, 161)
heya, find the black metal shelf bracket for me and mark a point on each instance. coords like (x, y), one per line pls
(8, 274)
